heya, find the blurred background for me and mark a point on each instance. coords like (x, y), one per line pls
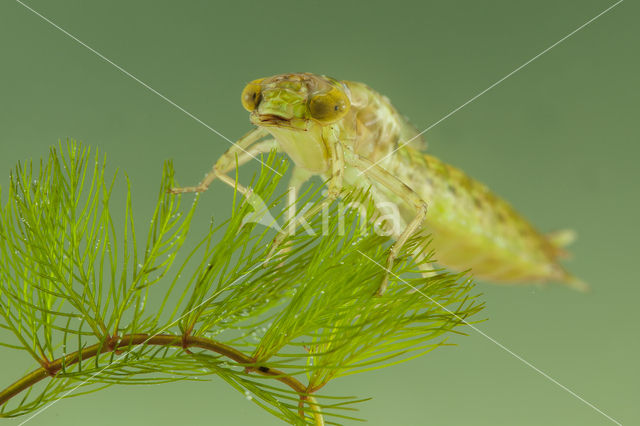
(558, 139)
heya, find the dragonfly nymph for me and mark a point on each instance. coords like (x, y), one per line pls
(352, 136)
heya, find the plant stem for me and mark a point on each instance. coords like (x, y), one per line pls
(131, 340)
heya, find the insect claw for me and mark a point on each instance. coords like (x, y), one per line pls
(182, 190)
(177, 190)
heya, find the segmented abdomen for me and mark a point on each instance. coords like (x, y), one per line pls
(472, 227)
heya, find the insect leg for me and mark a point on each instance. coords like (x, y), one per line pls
(336, 152)
(244, 152)
(335, 187)
(395, 185)
(298, 177)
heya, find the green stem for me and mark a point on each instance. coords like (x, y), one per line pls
(131, 340)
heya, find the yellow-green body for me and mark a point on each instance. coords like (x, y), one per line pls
(352, 136)
(471, 226)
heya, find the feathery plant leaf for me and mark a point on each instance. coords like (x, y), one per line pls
(89, 303)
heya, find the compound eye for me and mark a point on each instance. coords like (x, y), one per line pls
(329, 107)
(251, 95)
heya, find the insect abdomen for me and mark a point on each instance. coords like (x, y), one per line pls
(474, 228)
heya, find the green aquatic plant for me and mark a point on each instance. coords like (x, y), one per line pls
(94, 304)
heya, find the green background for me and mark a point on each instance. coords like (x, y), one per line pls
(558, 139)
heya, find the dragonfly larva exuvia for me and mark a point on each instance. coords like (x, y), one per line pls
(351, 135)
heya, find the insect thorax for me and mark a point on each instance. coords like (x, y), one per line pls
(373, 127)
